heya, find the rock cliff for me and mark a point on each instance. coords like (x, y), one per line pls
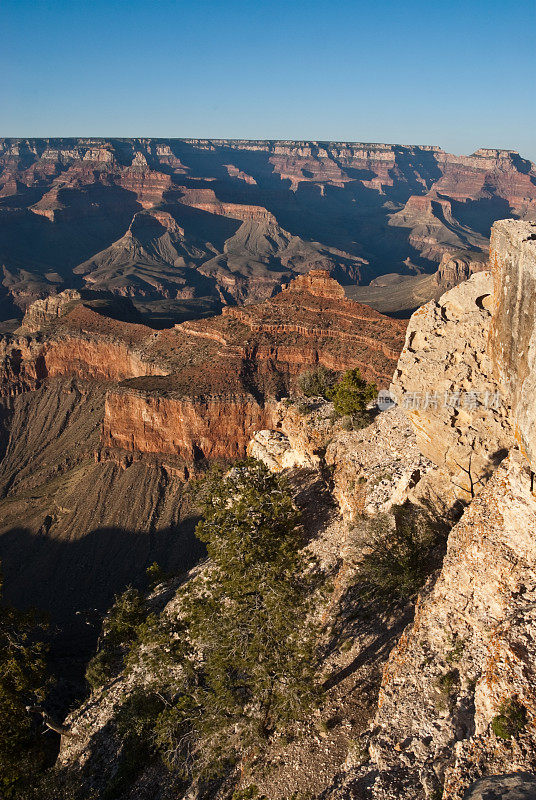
(469, 650)
(445, 384)
(513, 335)
(454, 713)
(463, 671)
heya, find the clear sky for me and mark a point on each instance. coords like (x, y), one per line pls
(457, 74)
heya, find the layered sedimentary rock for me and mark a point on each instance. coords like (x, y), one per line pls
(456, 267)
(468, 654)
(200, 389)
(191, 428)
(105, 419)
(255, 355)
(251, 215)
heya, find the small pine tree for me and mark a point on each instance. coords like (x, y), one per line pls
(119, 630)
(249, 617)
(352, 394)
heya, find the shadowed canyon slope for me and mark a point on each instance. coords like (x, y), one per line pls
(186, 226)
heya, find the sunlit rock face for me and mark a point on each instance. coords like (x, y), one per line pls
(513, 330)
(444, 382)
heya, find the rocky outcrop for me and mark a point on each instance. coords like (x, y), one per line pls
(469, 651)
(47, 310)
(273, 448)
(381, 466)
(457, 702)
(455, 268)
(371, 470)
(513, 332)
(445, 384)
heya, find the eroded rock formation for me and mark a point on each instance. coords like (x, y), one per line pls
(201, 389)
(182, 223)
(445, 384)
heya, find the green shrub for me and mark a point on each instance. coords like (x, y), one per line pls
(448, 682)
(119, 630)
(317, 382)
(403, 552)
(510, 720)
(101, 668)
(23, 682)
(134, 722)
(248, 793)
(456, 653)
(352, 394)
(156, 575)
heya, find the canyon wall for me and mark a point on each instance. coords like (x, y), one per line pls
(189, 428)
(461, 673)
(205, 223)
(200, 389)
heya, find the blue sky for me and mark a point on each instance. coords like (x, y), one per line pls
(457, 74)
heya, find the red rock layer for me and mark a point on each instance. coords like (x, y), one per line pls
(201, 389)
(213, 428)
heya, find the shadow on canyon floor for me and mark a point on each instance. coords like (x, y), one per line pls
(74, 583)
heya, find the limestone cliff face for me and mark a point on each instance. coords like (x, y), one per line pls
(513, 332)
(470, 650)
(445, 384)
